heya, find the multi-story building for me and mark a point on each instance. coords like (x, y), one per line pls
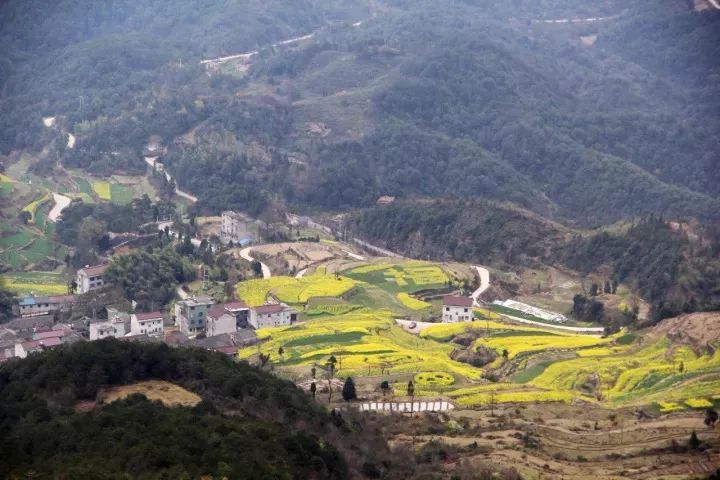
(219, 321)
(236, 228)
(113, 327)
(90, 278)
(150, 324)
(271, 316)
(190, 314)
(241, 312)
(457, 309)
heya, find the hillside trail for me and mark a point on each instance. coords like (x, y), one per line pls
(484, 274)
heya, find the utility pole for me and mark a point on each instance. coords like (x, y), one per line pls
(82, 106)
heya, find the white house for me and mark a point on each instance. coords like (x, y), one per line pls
(457, 309)
(23, 349)
(271, 316)
(31, 306)
(236, 228)
(190, 314)
(219, 321)
(90, 278)
(100, 330)
(147, 324)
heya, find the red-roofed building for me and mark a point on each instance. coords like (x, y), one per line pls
(457, 309)
(90, 278)
(274, 315)
(23, 349)
(147, 324)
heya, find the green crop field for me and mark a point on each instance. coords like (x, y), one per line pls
(121, 194)
(401, 277)
(40, 283)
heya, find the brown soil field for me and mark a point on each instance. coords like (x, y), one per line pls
(168, 393)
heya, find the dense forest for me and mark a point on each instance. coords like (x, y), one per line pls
(437, 99)
(42, 435)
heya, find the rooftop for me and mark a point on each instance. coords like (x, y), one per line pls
(274, 308)
(216, 312)
(236, 305)
(142, 317)
(456, 301)
(29, 300)
(94, 271)
(195, 301)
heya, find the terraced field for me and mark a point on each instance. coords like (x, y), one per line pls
(534, 364)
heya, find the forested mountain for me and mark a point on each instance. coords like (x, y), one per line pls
(249, 424)
(578, 111)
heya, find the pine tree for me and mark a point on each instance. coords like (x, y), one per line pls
(694, 442)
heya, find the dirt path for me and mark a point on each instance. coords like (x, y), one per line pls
(484, 274)
(245, 253)
(301, 273)
(61, 202)
(71, 140)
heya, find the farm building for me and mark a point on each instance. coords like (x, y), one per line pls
(272, 316)
(457, 309)
(90, 278)
(241, 312)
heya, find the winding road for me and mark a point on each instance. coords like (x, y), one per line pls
(245, 253)
(484, 274)
(192, 198)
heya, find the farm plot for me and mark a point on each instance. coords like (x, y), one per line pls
(364, 343)
(32, 207)
(405, 276)
(294, 290)
(102, 189)
(412, 303)
(39, 283)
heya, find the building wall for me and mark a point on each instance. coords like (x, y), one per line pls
(456, 314)
(269, 319)
(148, 327)
(224, 324)
(191, 319)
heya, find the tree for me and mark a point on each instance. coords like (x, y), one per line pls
(348, 391)
(256, 268)
(313, 389)
(281, 354)
(607, 288)
(385, 387)
(614, 286)
(330, 365)
(24, 216)
(694, 442)
(313, 372)
(411, 394)
(505, 353)
(594, 290)
(711, 417)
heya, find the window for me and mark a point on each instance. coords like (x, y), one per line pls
(465, 310)
(447, 309)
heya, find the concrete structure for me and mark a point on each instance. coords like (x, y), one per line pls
(219, 321)
(30, 306)
(271, 316)
(90, 278)
(190, 314)
(241, 312)
(150, 324)
(457, 309)
(100, 330)
(27, 326)
(236, 228)
(534, 311)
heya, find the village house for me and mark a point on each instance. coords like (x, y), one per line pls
(150, 324)
(241, 312)
(190, 314)
(110, 328)
(23, 349)
(30, 306)
(90, 278)
(272, 316)
(457, 309)
(28, 325)
(236, 228)
(219, 321)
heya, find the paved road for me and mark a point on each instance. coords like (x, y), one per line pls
(245, 253)
(61, 202)
(151, 161)
(301, 273)
(715, 3)
(484, 274)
